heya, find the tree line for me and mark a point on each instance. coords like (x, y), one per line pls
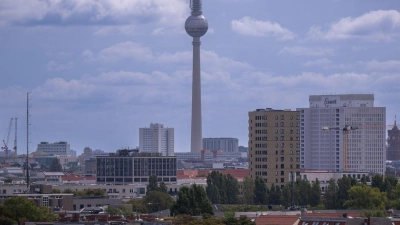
(345, 193)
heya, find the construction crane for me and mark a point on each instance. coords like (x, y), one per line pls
(5, 142)
(345, 129)
(15, 138)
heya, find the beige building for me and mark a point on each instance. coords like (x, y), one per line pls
(274, 145)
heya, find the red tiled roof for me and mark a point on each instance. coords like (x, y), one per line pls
(276, 220)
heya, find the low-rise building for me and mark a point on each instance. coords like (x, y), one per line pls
(132, 167)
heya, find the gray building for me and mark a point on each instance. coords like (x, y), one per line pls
(57, 148)
(360, 150)
(130, 166)
(224, 144)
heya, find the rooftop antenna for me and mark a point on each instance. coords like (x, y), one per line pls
(27, 141)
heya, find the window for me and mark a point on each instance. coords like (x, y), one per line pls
(45, 200)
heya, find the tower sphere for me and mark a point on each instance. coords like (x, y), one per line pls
(196, 25)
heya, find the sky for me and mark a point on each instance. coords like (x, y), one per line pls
(98, 70)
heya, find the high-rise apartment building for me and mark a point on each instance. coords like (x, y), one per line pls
(274, 145)
(223, 144)
(362, 149)
(57, 148)
(393, 143)
(157, 139)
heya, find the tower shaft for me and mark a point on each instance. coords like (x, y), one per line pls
(196, 132)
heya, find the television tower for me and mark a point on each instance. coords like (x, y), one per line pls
(196, 26)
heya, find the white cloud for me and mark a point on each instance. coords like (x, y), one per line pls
(304, 51)
(252, 27)
(139, 53)
(324, 62)
(121, 51)
(381, 25)
(374, 65)
(54, 66)
(164, 15)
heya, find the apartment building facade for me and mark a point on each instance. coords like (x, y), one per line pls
(274, 145)
(157, 139)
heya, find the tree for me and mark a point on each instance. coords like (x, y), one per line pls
(6, 216)
(365, 197)
(395, 195)
(157, 200)
(377, 181)
(330, 197)
(389, 183)
(315, 194)
(22, 208)
(137, 205)
(260, 191)
(118, 210)
(152, 186)
(216, 188)
(274, 195)
(302, 191)
(344, 184)
(192, 201)
(286, 196)
(242, 220)
(232, 189)
(248, 191)
(55, 165)
(163, 187)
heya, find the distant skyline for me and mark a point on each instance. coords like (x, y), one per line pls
(100, 70)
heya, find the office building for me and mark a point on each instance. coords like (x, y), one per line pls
(338, 148)
(130, 166)
(223, 144)
(393, 141)
(274, 145)
(57, 148)
(157, 139)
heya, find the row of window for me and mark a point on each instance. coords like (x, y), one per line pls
(282, 117)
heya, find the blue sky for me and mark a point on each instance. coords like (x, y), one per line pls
(100, 70)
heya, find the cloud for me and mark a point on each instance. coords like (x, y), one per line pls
(165, 16)
(325, 63)
(139, 53)
(54, 66)
(304, 51)
(381, 25)
(252, 27)
(374, 65)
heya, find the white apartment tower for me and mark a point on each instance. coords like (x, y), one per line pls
(359, 150)
(157, 139)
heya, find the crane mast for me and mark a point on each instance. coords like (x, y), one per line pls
(5, 142)
(15, 138)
